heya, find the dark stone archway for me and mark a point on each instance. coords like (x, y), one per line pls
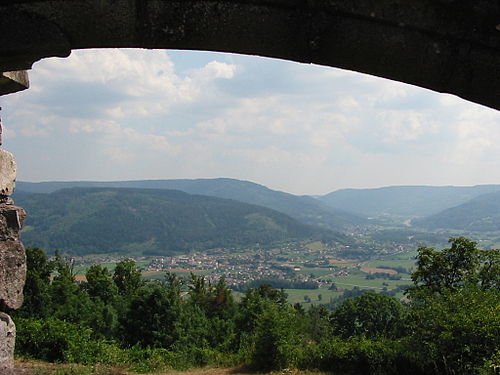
(448, 46)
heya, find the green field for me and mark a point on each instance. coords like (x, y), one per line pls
(297, 295)
(407, 264)
(316, 246)
(314, 271)
(348, 282)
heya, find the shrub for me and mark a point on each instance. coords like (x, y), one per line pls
(54, 340)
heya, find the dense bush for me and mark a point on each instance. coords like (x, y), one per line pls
(54, 340)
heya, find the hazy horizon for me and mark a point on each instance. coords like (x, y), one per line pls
(255, 182)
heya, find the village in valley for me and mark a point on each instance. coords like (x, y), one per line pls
(301, 268)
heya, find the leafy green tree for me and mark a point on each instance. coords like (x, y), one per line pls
(67, 300)
(217, 304)
(127, 277)
(454, 308)
(453, 268)
(100, 283)
(36, 288)
(455, 332)
(222, 304)
(152, 317)
(252, 304)
(318, 323)
(371, 315)
(277, 337)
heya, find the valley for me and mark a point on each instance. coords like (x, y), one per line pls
(316, 249)
(310, 273)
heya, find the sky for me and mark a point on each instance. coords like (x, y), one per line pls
(121, 114)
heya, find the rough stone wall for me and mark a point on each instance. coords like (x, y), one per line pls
(12, 260)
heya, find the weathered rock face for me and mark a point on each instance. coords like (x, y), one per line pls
(7, 173)
(7, 343)
(12, 256)
(12, 260)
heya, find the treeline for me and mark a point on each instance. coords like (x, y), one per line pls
(450, 324)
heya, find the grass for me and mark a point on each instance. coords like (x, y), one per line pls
(348, 282)
(316, 246)
(297, 295)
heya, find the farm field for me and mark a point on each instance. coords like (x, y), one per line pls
(406, 260)
(348, 282)
(297, 296)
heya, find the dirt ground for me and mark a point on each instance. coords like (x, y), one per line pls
(26, 367)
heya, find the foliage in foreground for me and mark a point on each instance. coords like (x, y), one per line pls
(451, 324)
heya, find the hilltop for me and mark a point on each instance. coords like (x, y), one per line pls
(480, 214)
(404, 201)
(120, 220)
(302, 208)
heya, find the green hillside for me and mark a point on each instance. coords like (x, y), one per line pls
(404, 201)
(480, 214)
(302, 208)
(148, 221)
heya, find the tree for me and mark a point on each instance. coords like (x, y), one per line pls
(318, 323)
(277, 337)
(456, 267)
(454, 307)
(67, 301)
(456, 332)
(253, 304)
(371, 315)
(151, 318)
(36, 288)
(100, 283)
(127, 277)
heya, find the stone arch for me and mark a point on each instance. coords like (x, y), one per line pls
(444, 45)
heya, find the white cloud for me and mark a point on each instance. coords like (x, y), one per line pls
(118, 114)
(405, 126)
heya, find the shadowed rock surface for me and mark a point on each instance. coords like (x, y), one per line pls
(12, 257)
(12, 260)
(444, 45)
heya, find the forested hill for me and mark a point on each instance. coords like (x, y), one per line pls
(105, 220)
(302, 208)
(406, 201)
(479, 214)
